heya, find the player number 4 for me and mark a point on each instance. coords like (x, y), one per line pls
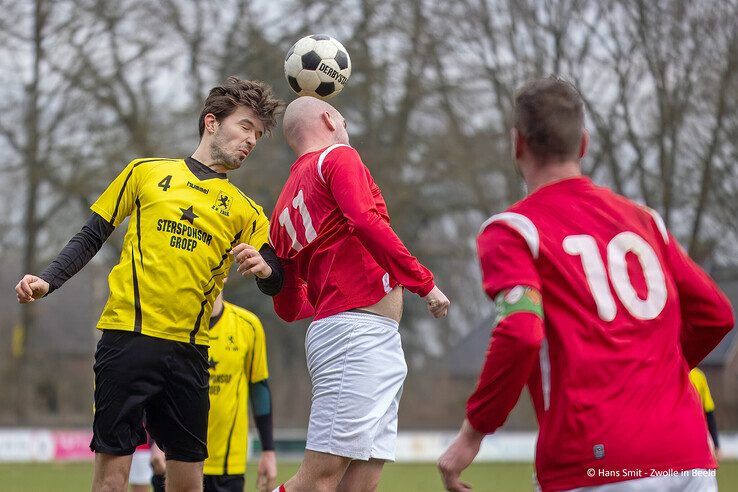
(284, 220)
(597, 274)
(164, 184)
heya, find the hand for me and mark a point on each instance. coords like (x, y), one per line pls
(458, 457)
(250, 261)
(266, 472)
(437, 303)
(158, 460)
(31, 288)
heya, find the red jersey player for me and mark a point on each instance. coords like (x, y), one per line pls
(344, 266)
(600, 312)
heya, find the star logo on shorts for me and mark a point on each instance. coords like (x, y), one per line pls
(212, 363)
(189, 215)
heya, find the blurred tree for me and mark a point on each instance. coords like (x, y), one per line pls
(429, 106)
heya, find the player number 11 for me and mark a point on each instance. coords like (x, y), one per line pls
(284, 220)
(597, 274)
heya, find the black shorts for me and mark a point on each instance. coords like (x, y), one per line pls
(165, 382)
(223, 483)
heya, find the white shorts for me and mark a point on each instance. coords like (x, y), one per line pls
(357, 368)
(141, 471)
(699, 481)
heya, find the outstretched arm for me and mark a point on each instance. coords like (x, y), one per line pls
(72, 258)
(349, 182)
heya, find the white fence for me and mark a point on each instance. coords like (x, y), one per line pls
(27, 445)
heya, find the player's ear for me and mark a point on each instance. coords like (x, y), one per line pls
(584, 143)
(328, 120)
(210, 123)
(517, 143)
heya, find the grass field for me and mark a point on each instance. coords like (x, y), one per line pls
(492, 477)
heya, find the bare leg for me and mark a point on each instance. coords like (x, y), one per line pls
(183, 476)
(319, 472)
(362, 476)
(111, 473)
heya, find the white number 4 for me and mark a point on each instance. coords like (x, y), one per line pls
(284, 219)
(585, 247)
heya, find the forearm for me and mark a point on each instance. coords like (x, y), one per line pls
(261, 406)
(292, 303)
(78, 251)
(273, 283)
(512, 355)
(390, 253)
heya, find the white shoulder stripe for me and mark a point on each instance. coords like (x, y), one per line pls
(659, 224)
(522, 224)
(322, 157)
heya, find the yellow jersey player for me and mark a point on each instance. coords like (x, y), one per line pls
(238, 373)
(186, 217)
(699, 381)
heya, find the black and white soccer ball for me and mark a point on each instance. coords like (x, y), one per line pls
(318, 66)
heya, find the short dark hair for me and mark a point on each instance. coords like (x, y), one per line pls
(256, 95)
(549, 115)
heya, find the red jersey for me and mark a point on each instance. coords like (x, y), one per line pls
(331, 230)
(626, 313)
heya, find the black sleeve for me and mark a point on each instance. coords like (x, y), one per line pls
(157, 483)
(712, 426)
(78, 251)
(261, 407)
(273, 283)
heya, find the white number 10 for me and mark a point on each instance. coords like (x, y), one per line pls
(284, 219)
(585, 247)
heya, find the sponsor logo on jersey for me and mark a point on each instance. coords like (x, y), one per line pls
(223, 204)
(198, 188)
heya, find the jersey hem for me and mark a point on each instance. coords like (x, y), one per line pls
(352, 305)
(154, 334)
(102, 213)
(219, 471)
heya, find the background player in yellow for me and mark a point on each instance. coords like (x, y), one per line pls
(238, 374)
(186, 217)
(699, 381)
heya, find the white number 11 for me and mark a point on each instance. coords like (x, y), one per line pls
(284, 219)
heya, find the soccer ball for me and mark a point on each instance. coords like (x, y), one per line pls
(318, 66)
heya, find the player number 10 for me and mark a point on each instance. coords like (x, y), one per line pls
(284, 220)
(597, 274)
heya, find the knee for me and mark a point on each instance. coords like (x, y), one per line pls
(113, 482)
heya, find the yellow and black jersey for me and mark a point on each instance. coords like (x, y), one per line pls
(185, 218)
(699, 381)
(237, 358)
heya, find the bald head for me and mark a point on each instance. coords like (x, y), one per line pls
(311, 124)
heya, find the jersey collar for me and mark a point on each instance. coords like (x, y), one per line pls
(201, 171)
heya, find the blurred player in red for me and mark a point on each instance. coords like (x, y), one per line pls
(600, 312)
(345, 267)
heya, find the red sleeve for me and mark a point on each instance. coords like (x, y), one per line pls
(349, 181)
(505, 259)
(707, 315)
(513, 350)
(292, 303)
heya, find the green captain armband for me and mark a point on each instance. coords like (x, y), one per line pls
(519, 299)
